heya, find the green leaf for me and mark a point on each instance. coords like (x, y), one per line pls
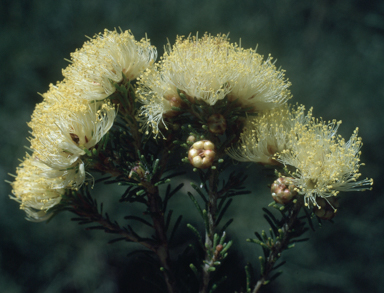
(226, 247)
(222, 238)
(140, 192)
(299, 240)
(139, 220)
(155, 166)
(262, 265)
(169, 194)
(258, 236)
(168, 219)
(273, 218)
(215, 239)
(177, 223)
(195, 187)
(309, 219)
(196, 204)
(116, 240)
(275, 276)
(194, 270)
(248, 278)
(125, 183)
(194, 230)
(222, 212)
(217, 284)
(279, 265)
(229, 222)
(274, 228)
(206, 221)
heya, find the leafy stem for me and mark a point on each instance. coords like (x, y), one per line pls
(291, 227)
(210, 229)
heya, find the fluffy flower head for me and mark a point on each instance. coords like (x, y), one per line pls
(266, 135)
(63, 130)
(324, 163)
(209, 69)
(106, 58)
(36, 189)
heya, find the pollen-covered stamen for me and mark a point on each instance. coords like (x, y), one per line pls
(202, 154)
(282, 190)
(266, 136)
(325, 164)
(104, 59)
(209, 69)
(326, 208)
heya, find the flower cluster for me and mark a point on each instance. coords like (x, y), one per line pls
(265, 135)
(104, 60)
(73, 117)
(319, 162)
(209, 69)
(197, 76)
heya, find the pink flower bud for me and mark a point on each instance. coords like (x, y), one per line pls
(282, 191)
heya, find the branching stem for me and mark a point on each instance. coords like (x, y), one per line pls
(209, 234)
(281, 245)
(154, 203)
(113, 228)
(162, 249)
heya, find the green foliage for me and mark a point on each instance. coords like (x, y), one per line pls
(283, 234)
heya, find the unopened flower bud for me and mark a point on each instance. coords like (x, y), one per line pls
(217, 124)
(208, 145)
(175, 126)
(282, 190)
(202, 154)
(219, 247)
(193, 152)
(197, 161)
(198, 145)
(326, 208)
(175, 102)
(191, 139)
(139, 171)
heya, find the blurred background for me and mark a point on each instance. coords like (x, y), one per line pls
(333, 53)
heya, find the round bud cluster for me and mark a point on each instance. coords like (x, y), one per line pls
(282, 190)
(202, 154)
(217, 124)
(326, 208)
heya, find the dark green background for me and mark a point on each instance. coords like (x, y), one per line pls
(333, 54)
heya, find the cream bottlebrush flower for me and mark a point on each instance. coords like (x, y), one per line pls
(267, 134)
(63, 132)
(260, 85)
(208, 69)
(325, 164)
(84, 129)
(104, 59)
(36, 189)
(157, 99)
